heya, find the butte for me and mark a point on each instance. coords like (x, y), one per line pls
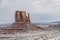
(22, 23)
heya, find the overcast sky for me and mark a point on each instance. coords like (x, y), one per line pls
(40, 10)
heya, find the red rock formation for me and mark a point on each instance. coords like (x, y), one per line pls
(28, 19)
(23, 14)
(20, 16)
(17, 16)
(22, 23)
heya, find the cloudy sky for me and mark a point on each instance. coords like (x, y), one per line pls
(40, 10)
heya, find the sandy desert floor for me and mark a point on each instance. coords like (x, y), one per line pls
(51, 34)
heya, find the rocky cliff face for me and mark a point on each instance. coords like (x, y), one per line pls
(20, 16)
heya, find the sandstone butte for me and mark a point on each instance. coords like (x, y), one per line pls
(22, 24)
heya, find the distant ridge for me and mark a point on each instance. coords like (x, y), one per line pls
(47, 23)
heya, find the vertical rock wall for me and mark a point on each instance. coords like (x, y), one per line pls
(20, 16)
(17, 16)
